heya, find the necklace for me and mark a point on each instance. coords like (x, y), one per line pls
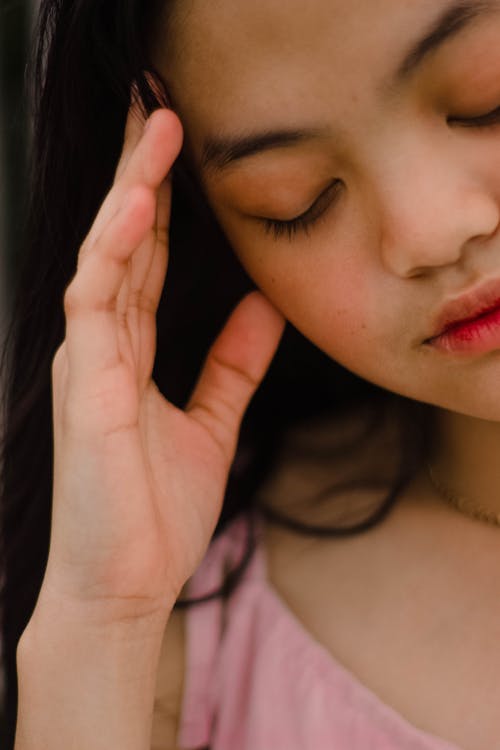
(463, 504)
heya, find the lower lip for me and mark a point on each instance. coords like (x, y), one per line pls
(475, 337)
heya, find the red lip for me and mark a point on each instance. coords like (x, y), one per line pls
(466, 308)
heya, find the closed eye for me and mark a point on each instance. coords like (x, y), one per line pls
(302, 223)
(481, 121)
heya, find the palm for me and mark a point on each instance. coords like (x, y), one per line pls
(138, 483)
(185, 511)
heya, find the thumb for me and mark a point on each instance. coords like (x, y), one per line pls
(235, 366)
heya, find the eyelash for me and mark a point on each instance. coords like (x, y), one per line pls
(488, 120)
(304, 222)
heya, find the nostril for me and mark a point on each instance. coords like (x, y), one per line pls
(417, 273)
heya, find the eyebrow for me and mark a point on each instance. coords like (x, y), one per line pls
(453, 20)
(221, 151)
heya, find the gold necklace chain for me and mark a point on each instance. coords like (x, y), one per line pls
(463, 504)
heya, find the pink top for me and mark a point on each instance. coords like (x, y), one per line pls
(257, 680)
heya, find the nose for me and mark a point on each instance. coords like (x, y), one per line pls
(432, 215)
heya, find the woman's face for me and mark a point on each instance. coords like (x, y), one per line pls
(339, 109)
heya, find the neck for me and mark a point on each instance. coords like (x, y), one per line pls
(467, 458)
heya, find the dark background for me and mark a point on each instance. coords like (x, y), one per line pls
(15, 30)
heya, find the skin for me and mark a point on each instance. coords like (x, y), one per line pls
(417, 219)
(138, 484)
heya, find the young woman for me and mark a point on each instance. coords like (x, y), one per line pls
(301, 579)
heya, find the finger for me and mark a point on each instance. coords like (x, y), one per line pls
(90, 300)
(152, 285)
(135, 122)
(138, 299)
(154, 154)
(123, 330)
(149, 163)
(148, 264)
(148, 272)
(134, 128)
(235, 366)
(131, 300)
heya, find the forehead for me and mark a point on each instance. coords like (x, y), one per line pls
(238, 63)
(222, 46)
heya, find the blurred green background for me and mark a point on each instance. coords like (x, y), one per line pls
(16, 18)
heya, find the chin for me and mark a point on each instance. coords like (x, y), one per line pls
(481, 404)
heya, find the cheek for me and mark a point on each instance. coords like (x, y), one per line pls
(330, 301)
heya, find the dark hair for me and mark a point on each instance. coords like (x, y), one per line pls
(85, 55)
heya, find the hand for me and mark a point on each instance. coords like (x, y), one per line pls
(138, 483)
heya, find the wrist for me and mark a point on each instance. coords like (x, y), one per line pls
(117, 617)
(85, 682)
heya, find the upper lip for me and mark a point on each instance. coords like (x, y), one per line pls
(467, 307)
